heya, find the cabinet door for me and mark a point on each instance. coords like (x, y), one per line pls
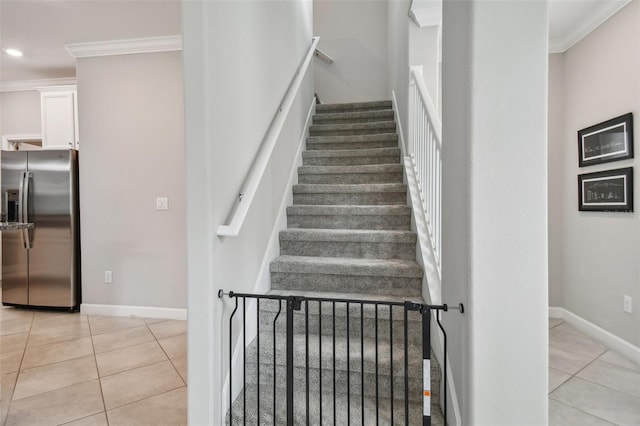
(58, 120)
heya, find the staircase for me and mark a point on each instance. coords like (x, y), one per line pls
(349, 236)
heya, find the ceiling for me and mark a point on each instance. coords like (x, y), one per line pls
(569, 20)
(41, 29)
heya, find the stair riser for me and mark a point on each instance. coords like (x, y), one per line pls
(369, 199)
(379, 222)
(375, 285)
(355, 378)
(324, 119)
(350, 178)
(311, 146)
(314, 131)
(361, 107)
(414, 330)
(349, 249)
(350, 161)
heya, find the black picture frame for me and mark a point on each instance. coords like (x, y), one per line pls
(609, 191)
(611, 140)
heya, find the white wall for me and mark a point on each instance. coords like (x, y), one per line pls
(598, 252)
(232, 93)
(131, 122)
(20, 113)
(424, 51)
(494, 208)
(398, 55)
(354, 34)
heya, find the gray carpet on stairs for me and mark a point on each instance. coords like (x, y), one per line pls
(349, 236)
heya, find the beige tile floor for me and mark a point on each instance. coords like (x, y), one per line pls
(589, 385)
(74, 369)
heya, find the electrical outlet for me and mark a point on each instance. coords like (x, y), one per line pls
(108, 277)
(628, 301)
(162, 203)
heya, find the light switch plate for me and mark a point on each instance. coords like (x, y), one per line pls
(162, 203)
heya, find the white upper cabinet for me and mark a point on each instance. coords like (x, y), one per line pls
(59, 109)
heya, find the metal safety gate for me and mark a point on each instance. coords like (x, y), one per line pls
(281, 407)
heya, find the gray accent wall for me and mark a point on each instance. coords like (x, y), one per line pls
(595, 256)
(354, 34)
(131, 124)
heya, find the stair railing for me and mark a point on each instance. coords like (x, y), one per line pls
(425, 151)
(323, 56)
(268, 404)
(256, 172)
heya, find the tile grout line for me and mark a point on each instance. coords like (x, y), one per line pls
(601, 384)
(589, 414)
(167, 355)
(144, 399)
(617, 365)
(590, 381)
(24, 352)
(104, 405)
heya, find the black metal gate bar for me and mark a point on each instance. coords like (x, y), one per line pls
(362, 361)
(231, 363)
(244, 359)
(306, 356)
(275, 364)
(391, 357)
(292, 304)
(258, 358)
(348, 369)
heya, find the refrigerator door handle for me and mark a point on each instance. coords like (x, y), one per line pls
(21, 199)
(25, 209)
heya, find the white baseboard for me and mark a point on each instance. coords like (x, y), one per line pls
(612, 341)
(135, 311)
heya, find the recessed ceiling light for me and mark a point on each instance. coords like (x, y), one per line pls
(13, 52)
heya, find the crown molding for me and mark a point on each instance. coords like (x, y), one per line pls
(125, 47)
(26, 85)
(599, 16)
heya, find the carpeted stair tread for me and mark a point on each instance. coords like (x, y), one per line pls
(332, 295)
(358, 174)
(353, 106)
(352, 128)
(348, 188)
(353, 117)
(348, 235)
(346, 157)
(347, 266)
(349, 243)
(303, 216)
(382, 405)
(326, 343)
(342, 210)
(378, 137)
(369, 168)
(373, 152)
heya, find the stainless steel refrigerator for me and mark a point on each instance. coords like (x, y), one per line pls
(41, 266)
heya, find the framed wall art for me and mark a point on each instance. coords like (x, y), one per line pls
(611, 140)
(610, 190)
